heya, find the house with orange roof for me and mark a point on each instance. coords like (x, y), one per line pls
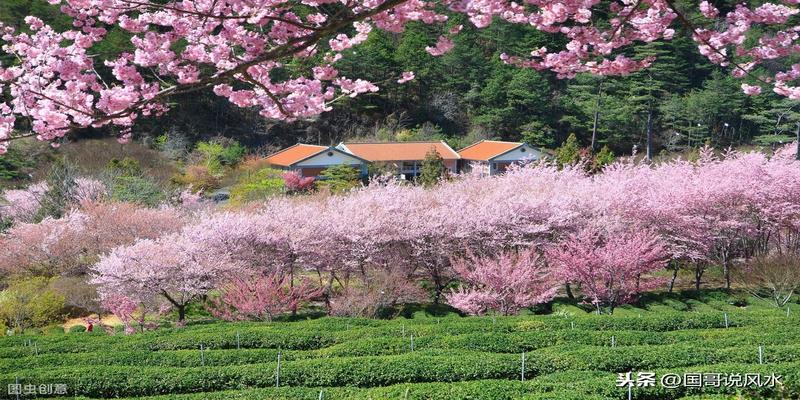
(310, 160)
(497, 155)
(405, 157)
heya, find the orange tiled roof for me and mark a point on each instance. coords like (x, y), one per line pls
(486, 150)
(293, 154)
(400, 151)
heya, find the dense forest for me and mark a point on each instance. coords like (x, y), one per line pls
(469, 94)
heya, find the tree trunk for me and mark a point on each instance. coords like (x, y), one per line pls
(797, 133)
(181, 312)
(674, 277)
(650, 133)
(569, 291)
(726, 269)
(698, 274)
(596, 116)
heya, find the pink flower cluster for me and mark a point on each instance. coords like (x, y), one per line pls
(183, 45)
(608, 232)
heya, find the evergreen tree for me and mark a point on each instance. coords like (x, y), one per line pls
(339, 178)
(569, 153)
(432, 168)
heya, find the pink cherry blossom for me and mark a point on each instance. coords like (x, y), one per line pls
(751, 90)
(407, 76)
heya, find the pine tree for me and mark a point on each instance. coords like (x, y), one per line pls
(647, 88)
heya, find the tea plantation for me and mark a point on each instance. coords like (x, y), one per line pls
(568, 354)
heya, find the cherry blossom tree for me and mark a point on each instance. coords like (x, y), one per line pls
(68, 246)
(232, 46)
(611, 267)
(295, 182)
(171, 268)
(21, 205)
(504, 284)
(123, 308)
(607, 232)
(260, 297)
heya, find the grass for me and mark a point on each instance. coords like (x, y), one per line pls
(570, 354)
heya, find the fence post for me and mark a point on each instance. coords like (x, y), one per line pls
(320, 394)
(760, 354)
(238, 340)
(202, 355)
(278, 371)
(412, 342)
(726, 320)
(523, 366)
(572, 325)
(613, 341)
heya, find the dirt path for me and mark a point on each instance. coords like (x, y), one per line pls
(110, 320)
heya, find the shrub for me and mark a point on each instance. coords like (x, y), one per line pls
(30, 303)
(339, 178)
(383, 290)
(433, 168)
(233, 154)
(261, 297)
(125, 166)
(295, 182)
(77, 329)
(262, 184)
(569, 153)
(137, 190)
(502, 284)
(53, 330)
(198, 178)
(774, 277)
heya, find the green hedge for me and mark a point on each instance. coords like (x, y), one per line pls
(329, 345)
(571, 385)
(373, 371)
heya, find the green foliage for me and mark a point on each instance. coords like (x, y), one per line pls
(31, 302)
(125, 166)
(259, 185)
(567, 356)
(198, 178)
(212, 156)
(339, 178)
(433, 169)
(538, 134)
(233, 154)
(769, 140)
(219, 153)
(603, 157)
(13, 165)
(60, 192)
(77, 329)
(569, 153)
(136, 189)
(129, 184)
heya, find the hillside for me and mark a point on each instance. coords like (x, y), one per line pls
(470, 94)
(567, 354)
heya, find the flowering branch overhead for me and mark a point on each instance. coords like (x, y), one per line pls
(233, 46)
